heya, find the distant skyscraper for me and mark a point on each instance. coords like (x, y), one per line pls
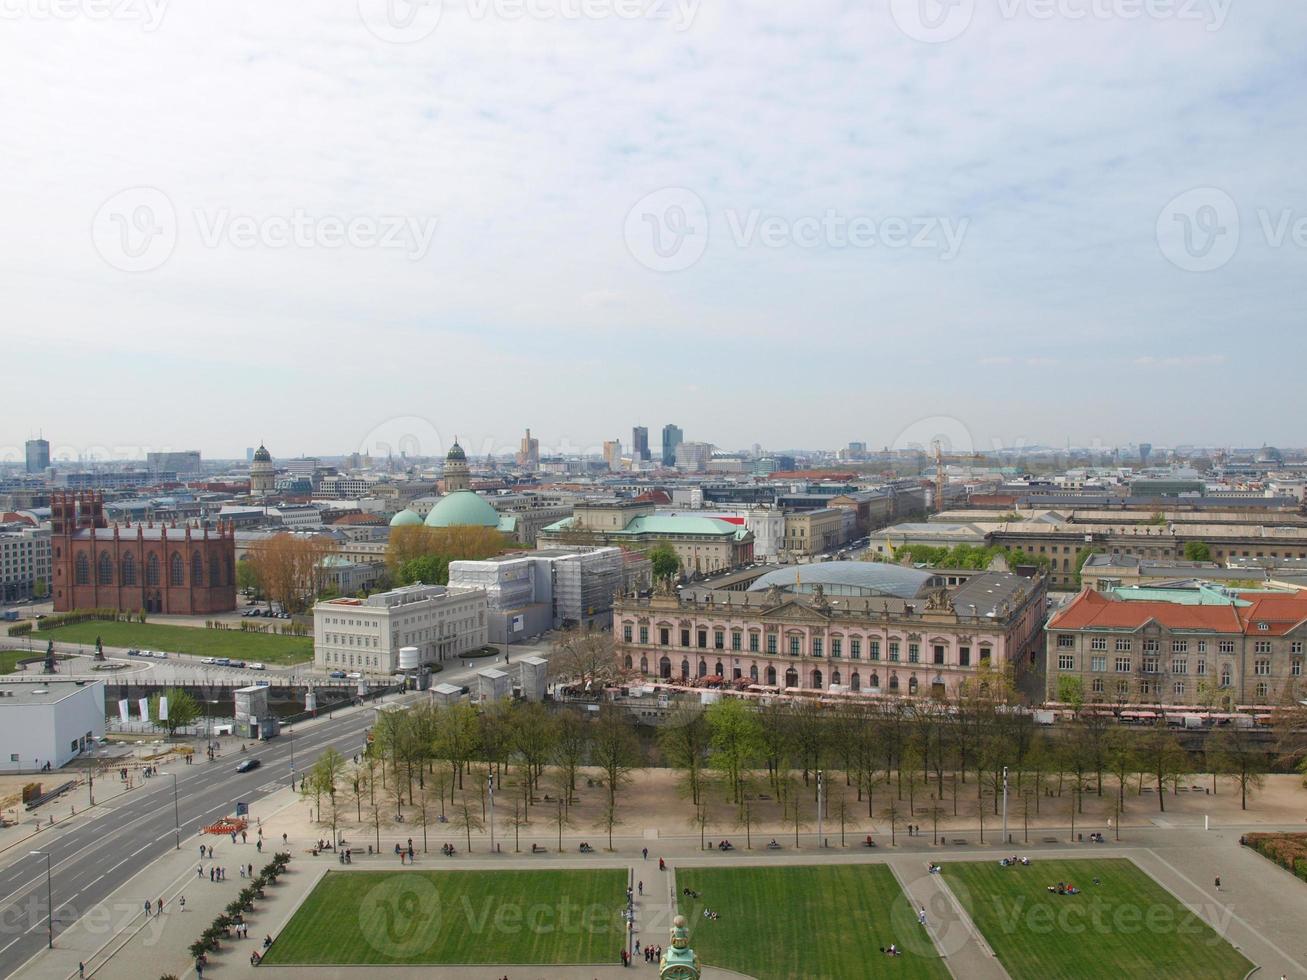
(249, 454)
(38, 455)
(613, 453)
(693, 457)
(672, 437)
(1145, 450)
(640, 443)
(528, 456)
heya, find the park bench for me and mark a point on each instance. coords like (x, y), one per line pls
(959, 840)
(1050, 840)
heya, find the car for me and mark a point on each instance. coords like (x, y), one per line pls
(133, 653)
(249, 765)
(337, 674)
(257, 667)
(354, 675)
(223, 662)
(235, 663)
(209, 661)
(159, 655)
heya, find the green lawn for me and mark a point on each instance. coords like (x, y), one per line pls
(9, 659)
(1126, 926)
(259, 647)
(805, 922)
(430, 917)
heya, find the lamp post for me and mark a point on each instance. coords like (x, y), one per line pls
(490, 785)
(820, 782)
(49, 899)
(176, 812)
(291, 733)
(1005, 837)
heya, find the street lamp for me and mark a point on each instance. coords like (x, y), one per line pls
(490, 785)
(49, 899)
(291, 733)
(820, 781)
(176, 813)
(1005, 837)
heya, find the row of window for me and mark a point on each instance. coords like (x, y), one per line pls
(769, 675)
(1125, 645)
(794, 645)
(128, 571)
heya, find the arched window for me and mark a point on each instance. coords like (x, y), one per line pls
(893, 682)
(816, 680)
(81, 569)
(644, 665)
(791, 678)
(685, 669)
(855, 682)
(104, 569)
(703, 668)
(771, 676)
(834, 676)
(665, 669)
(720, 671)
(626, 662)
(875, 682)
(152, 569)
(1225, 675)
(753, 673)
(197, 569)
(127, 575)
(215, 571)
(176, 570)
(912, 684)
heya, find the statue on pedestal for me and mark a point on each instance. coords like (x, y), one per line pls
(679, 961)
(49, 658)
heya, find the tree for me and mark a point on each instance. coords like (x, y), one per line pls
(1166, 761)
(666, 562)
(324, 778)
(614, 749)
(573, 739)
(684, 739)
(406, 544)
(182, 709)
(736, 739)
(584, 656)
(1071, 690)
(460, 735)
(1232, 753)
(428, 570)
(247, 576)
(1197, 551)
(291, 568)
(467, 819)
(533, 733)
(1122, 759)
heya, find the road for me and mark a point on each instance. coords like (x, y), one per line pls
(95, 856)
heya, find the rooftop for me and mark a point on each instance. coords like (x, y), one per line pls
(41, 691)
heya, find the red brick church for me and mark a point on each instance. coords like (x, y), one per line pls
(160, 569)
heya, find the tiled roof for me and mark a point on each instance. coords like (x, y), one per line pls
(1092, 610)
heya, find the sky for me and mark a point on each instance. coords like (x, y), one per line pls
(372, 224)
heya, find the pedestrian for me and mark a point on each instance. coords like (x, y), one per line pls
(81, 969)
(642, 888)
(199, 871)
(199, 970)
(283, 838)
(147, 908)
(160, 907)
(181, 903)
(662, 865)
(921, 915)
(258, 846)
(201, 852)
(637, 945)
(1218, 883)
(645, 852)
(244, 839)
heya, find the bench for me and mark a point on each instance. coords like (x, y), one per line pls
(959, 840)
(1051, 840)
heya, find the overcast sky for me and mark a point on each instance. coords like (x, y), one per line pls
(341, 225)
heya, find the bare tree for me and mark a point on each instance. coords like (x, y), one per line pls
(584, 657)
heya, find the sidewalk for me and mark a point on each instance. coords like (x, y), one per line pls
(958, 941)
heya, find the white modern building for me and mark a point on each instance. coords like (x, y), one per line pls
(24, 563)
(530, 592)
(366, 635)
(48, 722)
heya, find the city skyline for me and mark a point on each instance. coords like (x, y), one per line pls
(829, 224)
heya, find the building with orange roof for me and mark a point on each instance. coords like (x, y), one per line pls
(1193, 644)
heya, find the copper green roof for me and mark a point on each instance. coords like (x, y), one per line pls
(461, 509)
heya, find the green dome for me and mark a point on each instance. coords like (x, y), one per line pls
(461, 509)
(456, 454)
(405, 518)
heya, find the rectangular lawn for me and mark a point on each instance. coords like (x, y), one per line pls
(257, 647)
(457, 917)
(804, 922)
(1126, 926)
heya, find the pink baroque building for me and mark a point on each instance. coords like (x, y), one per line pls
(837, 626)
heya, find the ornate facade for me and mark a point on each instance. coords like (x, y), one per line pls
(924, 645)
(155, 568)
